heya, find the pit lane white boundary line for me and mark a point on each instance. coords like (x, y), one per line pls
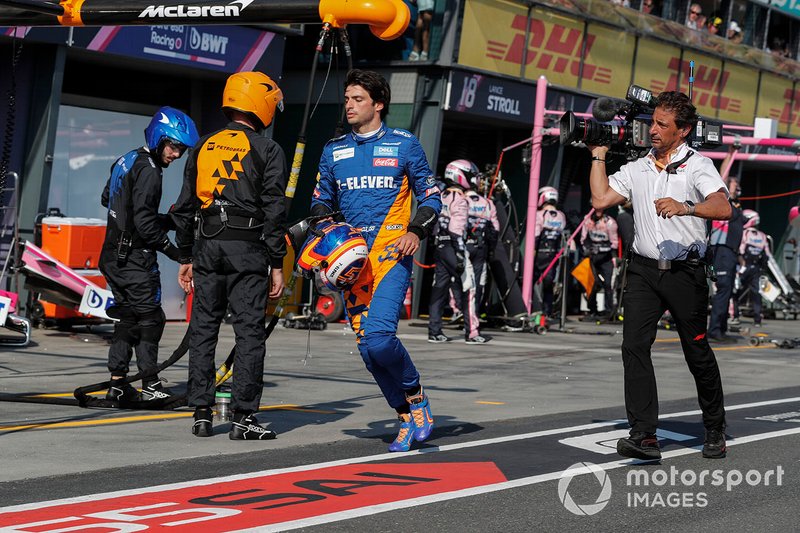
(396, 457)
(485, 489)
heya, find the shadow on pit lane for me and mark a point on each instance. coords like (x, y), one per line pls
(386, 430)
(283, 420)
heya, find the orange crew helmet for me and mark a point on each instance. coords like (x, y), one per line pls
(254, 93)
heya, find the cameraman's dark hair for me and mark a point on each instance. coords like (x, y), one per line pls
(375, 84)
(678, 103)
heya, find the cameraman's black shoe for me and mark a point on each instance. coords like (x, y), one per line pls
(122, 392)
(203, 426)
(639, 446)
(246, 427)
(714, 446)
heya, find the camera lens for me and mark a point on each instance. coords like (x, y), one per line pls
(573, 129)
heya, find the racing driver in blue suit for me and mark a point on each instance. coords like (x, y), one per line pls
(370, 175)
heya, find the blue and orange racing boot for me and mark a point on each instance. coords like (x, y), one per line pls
(405, 436)
(421, 415)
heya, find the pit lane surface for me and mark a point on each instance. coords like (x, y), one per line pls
(488, 466)
(512, 477)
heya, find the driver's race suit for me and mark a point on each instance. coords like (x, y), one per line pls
(371, 180)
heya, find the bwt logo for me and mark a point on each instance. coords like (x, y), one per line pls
(557, 51)
(207, 42)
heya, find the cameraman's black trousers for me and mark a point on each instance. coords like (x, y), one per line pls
(231, 273)
(683, 291)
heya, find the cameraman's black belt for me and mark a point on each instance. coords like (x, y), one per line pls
(663, 264)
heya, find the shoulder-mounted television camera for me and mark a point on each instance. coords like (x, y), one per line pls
(630, 136)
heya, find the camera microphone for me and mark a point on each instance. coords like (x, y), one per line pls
(605, 109)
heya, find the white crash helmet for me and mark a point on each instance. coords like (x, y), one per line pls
(462, 172)
(548, 195)
(751, 218)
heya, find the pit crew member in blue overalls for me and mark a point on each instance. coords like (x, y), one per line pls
(371, 175)
(134, 233)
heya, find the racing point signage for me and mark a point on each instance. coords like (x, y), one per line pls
(486, 96)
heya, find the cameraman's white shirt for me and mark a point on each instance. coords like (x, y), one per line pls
(642, 182)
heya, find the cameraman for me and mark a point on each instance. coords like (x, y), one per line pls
(672, 189)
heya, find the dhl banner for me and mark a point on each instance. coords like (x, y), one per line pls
(614, 50)
(708, 78)
(554, 47)
(794, 116)
(739, 85)
(488, 41)
(493, 38)
(775, 100)
(655, 69)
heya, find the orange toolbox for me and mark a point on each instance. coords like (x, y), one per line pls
(76, 242)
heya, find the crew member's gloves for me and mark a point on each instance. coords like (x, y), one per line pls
(166, 222)
(179, 255)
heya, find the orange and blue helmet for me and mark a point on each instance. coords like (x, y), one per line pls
(334, 255)
(169, 123)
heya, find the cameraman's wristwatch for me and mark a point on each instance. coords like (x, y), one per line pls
(690, 207)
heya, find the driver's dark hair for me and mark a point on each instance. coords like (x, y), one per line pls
(679, 104)
(375, 84)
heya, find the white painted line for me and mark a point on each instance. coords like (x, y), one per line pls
(606, 443)
(364, 459)
(475, 491)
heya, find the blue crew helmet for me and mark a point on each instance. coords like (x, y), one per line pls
(169, 123)
(334, 256)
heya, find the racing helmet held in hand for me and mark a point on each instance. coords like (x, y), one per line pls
(462, 172)
(254, 93)
(548, 195)
(334, 256)
(169, 123)
(751, 218)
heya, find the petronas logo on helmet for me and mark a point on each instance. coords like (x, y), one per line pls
(232, 9)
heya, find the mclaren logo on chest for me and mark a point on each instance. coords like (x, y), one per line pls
(368, 182)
